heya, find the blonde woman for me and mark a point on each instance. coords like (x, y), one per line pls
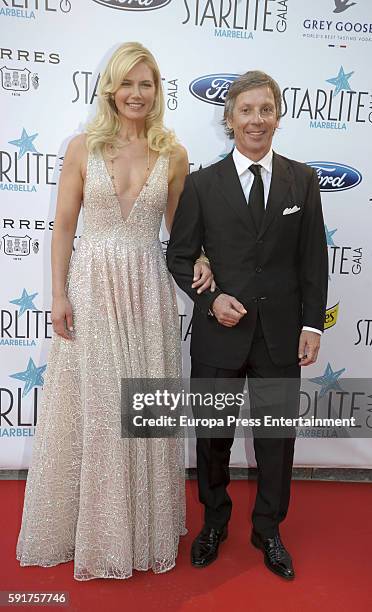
(111, 504)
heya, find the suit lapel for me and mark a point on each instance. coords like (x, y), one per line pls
(280, 183)
(232, 190)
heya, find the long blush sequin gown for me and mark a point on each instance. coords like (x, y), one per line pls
(110, 504)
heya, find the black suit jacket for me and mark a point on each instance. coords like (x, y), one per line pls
(279, 269)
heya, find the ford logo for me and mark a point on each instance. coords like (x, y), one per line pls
(212, 88)
(336, 177)
(134, 5)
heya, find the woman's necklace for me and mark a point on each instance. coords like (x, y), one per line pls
(113, 170)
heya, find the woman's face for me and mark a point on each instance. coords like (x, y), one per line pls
(135, 97)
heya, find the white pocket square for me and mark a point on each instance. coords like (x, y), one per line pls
(290, 211)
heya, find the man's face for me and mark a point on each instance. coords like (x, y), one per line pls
(254, 121)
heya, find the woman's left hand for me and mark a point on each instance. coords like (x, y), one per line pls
(203, 277)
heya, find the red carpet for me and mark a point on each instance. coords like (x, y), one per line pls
(328, 532)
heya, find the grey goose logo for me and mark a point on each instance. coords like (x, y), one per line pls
(212, 88)
(342, 5)
(335, 177)
(134, 5)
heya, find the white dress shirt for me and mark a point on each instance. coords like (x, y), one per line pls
(246, 178)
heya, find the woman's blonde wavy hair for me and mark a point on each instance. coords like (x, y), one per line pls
(103, 131)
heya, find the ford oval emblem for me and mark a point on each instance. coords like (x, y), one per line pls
(336, 177)
(212, 88)
(134, 5)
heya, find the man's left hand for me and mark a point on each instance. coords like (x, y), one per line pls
(203, 277)
(308, 347)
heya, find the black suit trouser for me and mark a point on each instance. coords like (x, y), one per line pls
(274, 455)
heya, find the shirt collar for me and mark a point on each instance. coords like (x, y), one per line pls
(242, 162)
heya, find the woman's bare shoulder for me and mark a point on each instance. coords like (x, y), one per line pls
(178, 161)
(77, 147)
(178, 154)
(76, 156)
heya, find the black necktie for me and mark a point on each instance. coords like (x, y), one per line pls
(256, 200)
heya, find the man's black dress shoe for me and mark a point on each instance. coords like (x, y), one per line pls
(204, 548)
(276, 557)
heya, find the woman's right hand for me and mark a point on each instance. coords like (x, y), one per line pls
(62, 317)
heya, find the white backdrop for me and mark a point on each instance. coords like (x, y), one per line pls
(51, 54)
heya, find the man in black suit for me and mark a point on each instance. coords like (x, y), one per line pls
(259, 219)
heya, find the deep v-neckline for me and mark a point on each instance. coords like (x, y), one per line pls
(146, 183)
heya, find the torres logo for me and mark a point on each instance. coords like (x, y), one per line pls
(22, 78)
(19, 246)
(17, 80)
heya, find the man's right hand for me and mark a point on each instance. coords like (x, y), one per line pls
(227, 310)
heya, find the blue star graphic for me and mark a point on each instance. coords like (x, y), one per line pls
(329, 234)
(24, 143)
(25, 302)
(33, 376)
(328, 381)
(341, 81)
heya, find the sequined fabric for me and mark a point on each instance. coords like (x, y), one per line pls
(111, 504)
